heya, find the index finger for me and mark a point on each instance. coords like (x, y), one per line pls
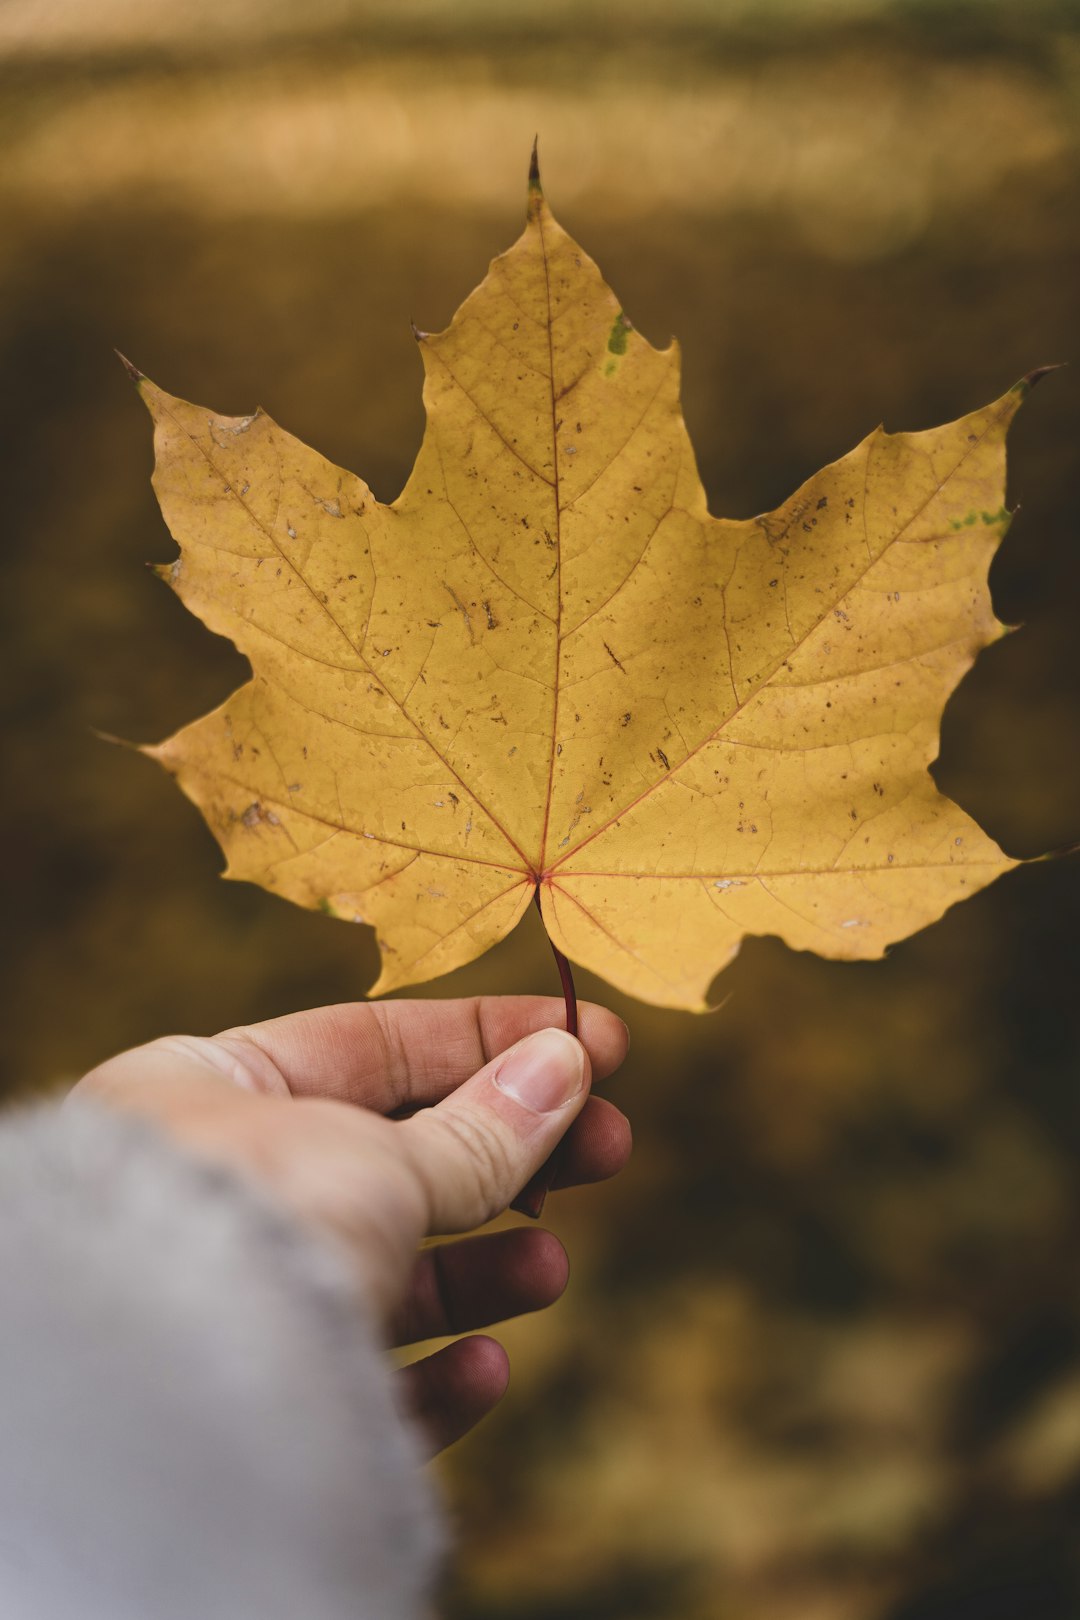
(390, 1055)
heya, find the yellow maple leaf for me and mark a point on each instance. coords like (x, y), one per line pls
(545, 667)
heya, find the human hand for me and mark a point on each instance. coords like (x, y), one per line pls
(388, 1122)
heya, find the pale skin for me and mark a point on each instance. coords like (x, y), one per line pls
(386, 1123)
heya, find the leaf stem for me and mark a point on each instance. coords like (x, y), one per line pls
(530, 1200)
(567, 978)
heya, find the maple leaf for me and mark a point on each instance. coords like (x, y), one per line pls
(545, 667)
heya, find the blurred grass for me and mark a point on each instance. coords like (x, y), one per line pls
(821, 1352)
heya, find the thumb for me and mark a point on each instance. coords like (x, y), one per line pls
(476, 1149)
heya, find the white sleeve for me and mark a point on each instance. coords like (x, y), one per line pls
(196, 1420)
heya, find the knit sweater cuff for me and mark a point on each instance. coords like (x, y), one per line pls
(196, 1417)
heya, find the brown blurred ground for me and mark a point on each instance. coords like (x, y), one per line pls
(821, 1352)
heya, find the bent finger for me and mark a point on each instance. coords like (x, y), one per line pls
(449, 1392)
(390, 1055)
(596, 1146)
(456, 1287)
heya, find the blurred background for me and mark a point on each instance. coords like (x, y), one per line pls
(820, 1354)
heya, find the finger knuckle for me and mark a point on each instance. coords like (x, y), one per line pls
(483, 1168)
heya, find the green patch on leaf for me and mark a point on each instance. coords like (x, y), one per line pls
(617, 338)
(972, 518)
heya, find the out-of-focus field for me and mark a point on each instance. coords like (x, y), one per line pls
(820, 1356)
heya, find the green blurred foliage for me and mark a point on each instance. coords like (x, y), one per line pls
(820, 1355)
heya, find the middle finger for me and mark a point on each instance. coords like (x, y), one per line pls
(456, 1287)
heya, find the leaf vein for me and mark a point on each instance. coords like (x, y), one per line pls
(768, 674)
(201, 449)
